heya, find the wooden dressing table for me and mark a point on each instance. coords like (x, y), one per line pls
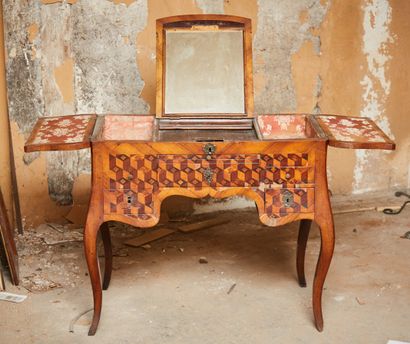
(206, 141)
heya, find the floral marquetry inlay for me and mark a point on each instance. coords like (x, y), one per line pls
(63, 132)
(128, 127)
(351, 129)
(282, 126)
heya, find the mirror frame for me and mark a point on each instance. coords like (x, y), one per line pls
(222, 21)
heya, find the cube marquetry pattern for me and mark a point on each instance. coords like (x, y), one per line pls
(189, 171)
(283, 160)
(132, 180)
(302, 201)
(234, 170)
(130, 203)
(130, 185)
(132, 172)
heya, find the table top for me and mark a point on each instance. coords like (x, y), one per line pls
(78, 131)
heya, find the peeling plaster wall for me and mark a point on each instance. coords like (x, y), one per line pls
(376, 85)
(398, 101)
(107, 79)
(274, 44)
(98, 56)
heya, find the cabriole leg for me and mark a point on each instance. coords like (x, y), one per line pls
(106, 238)
(90, 247)
(303, 236)
(327, 236)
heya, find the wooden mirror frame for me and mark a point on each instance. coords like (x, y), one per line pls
(222, 21)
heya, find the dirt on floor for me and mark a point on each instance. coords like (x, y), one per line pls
(231, 283)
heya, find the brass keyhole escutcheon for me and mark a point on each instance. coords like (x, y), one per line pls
(209, 149)
(287, 199)
(208, 175)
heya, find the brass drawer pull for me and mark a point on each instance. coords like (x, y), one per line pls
(287, 199)
(208, 174)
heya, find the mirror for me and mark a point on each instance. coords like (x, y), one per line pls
(204, 72)
(204, 67)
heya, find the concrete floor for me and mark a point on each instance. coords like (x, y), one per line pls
(163, 294)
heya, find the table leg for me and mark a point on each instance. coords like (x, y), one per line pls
(327, 236)
(90, 246)
(106, 237)
(303, 236)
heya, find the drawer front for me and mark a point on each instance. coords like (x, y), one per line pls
(137, 172)
(218, 171)
(286, 169)
(284, 160)
(234, 170)
(131, 172)
(287, 175)
(285, 201)
(128, 202)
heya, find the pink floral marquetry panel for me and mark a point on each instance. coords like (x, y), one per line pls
(128, 127)
(61, 133)
(273, 127)
(346, 131)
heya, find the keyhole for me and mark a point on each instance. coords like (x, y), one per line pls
(129, 199)
(287, 200)
(209, 149)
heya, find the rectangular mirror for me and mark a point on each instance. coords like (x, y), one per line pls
(204, 67)
(204, 72)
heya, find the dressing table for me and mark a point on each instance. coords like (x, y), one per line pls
(205, 140)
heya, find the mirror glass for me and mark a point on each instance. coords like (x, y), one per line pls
(204, 72)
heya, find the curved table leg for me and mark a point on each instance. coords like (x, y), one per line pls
(106, 238)
(327, 235)
(90, 246)
(303, 236)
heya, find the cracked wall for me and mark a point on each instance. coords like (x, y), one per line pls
(98, 56)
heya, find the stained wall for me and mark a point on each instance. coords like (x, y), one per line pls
(5, 170)
(98, 56)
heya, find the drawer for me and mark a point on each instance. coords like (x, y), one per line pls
(137, 173)
(285, 160)
(289, 200)
(128, 202)
(131, 172)
(287, 175)
(172, 159)
(217, 171)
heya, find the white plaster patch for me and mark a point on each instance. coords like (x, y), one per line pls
(376, 21)
(377, 16)
(13, 53)
(211, 6)
(228, 204)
